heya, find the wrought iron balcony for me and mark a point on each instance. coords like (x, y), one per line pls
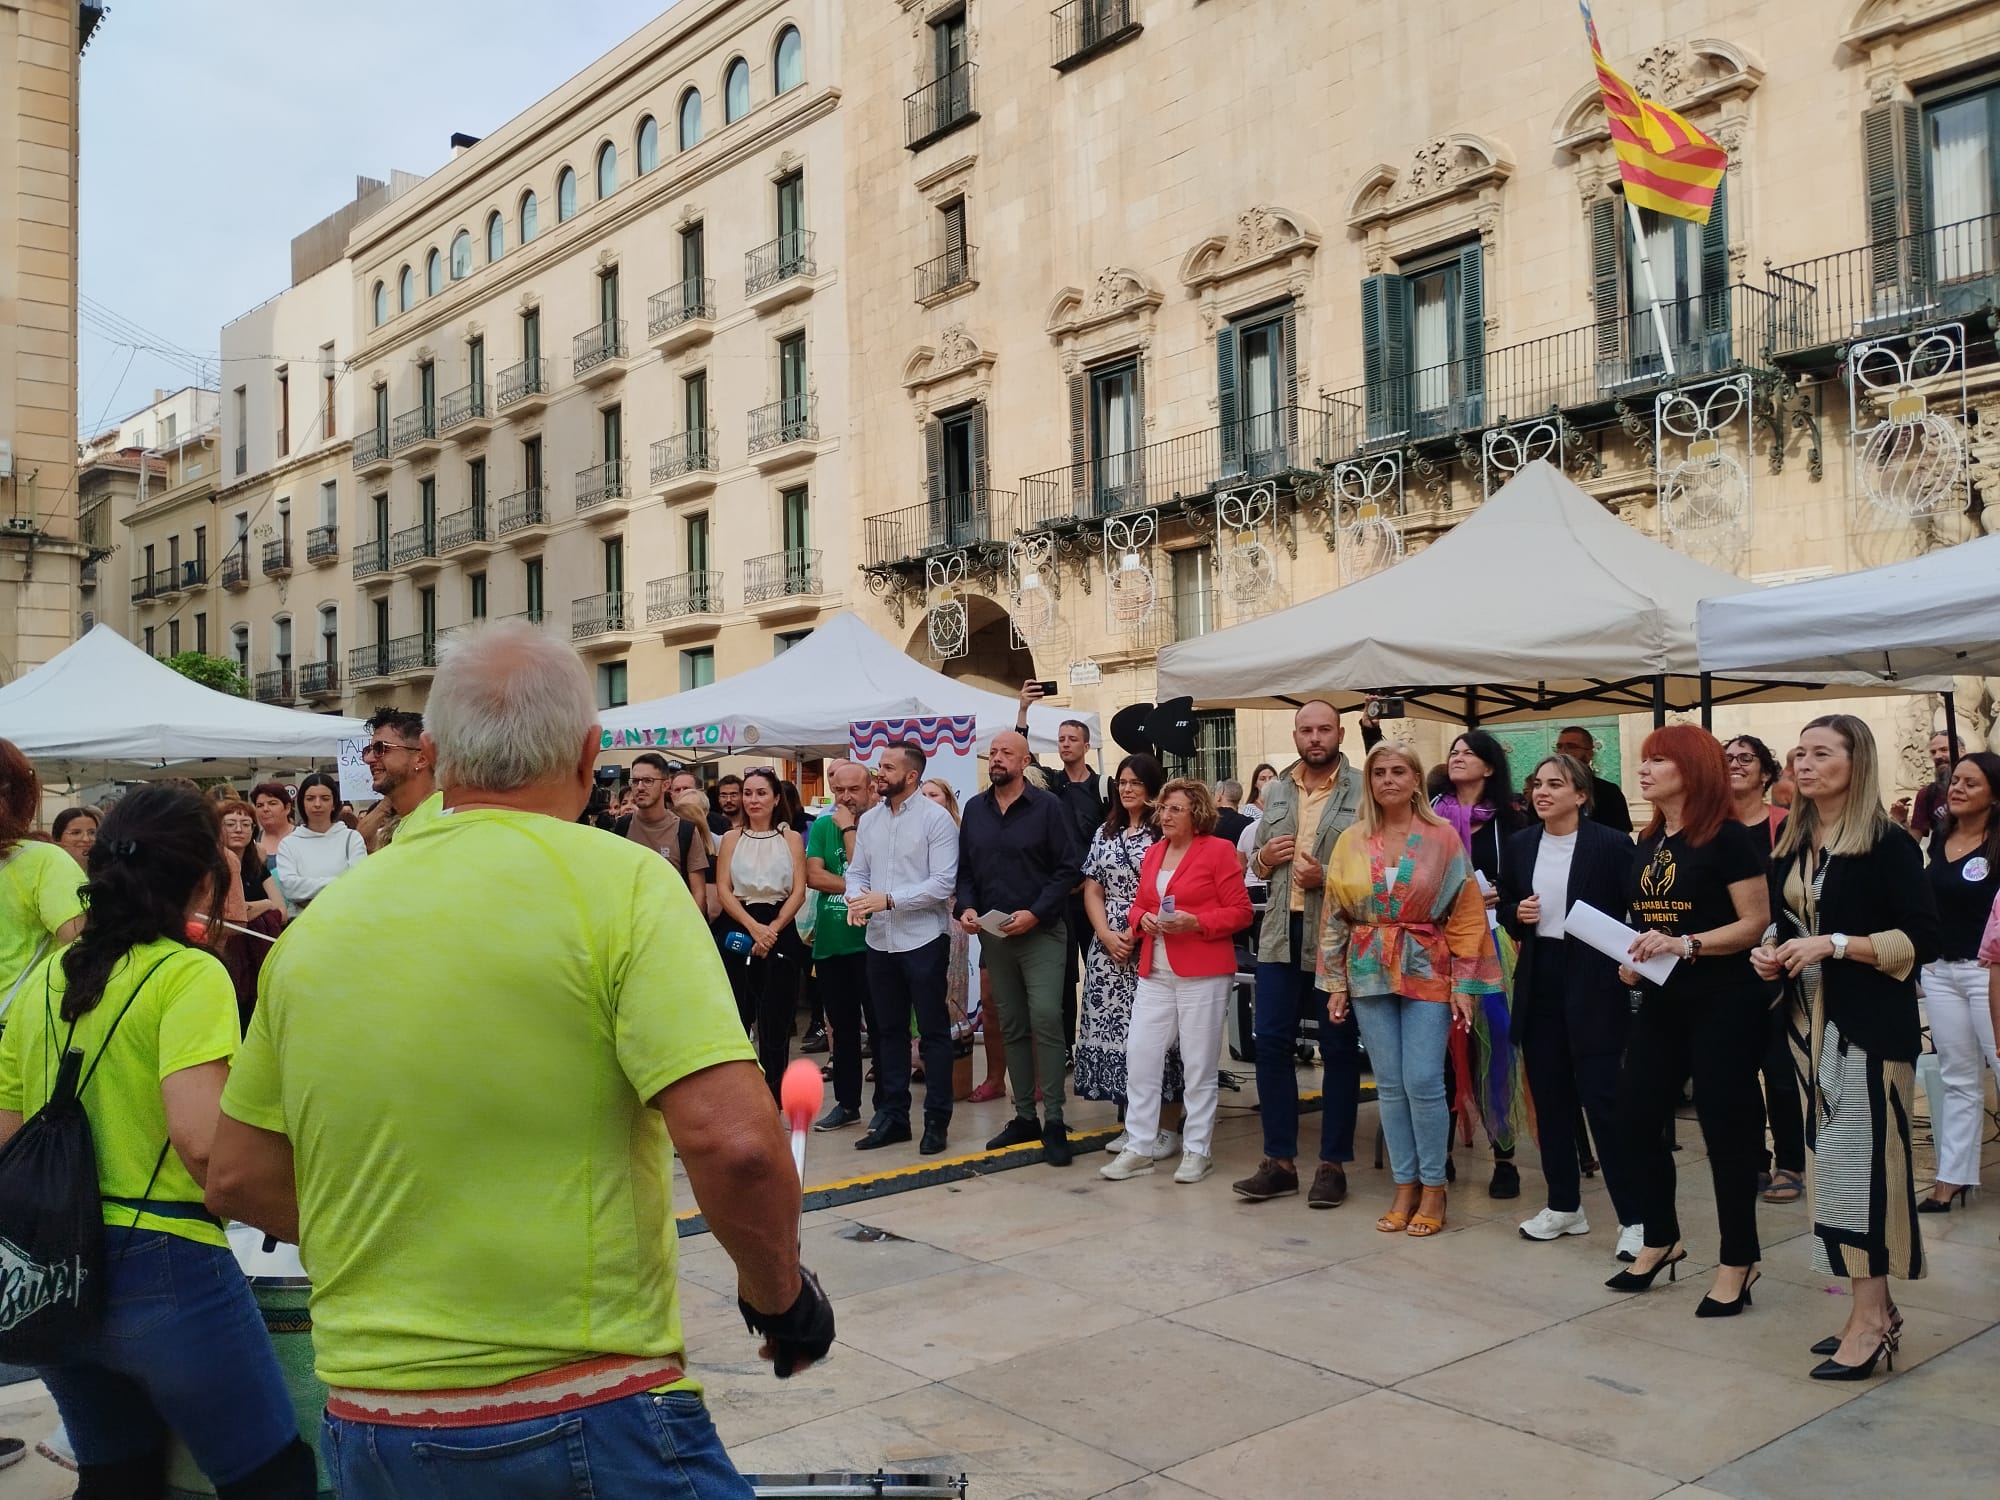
(466, 404)
(1084, 28)
(599, 483)
(371, 557)
(413, 543)
(275, 686)
(697, 593)
(413, 427)
(167, 580)
(600, 614)
(1291, 439)
(142, 587)
(693, 300)
(278, 558)
(784, 258)
(792, 420)
(779, 575)
(319, 679)
(236, 567)
(939, 107)
(371, 448)
(684, 453)
(404, 654)
(522, 509)
(243, 457)
(523, 382)
(946, 523)
(322, 544)
(599, 346)
(1891, 287)
(462, 528)
(948, 272)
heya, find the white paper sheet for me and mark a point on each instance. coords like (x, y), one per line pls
(994, 920)
(1614, 939)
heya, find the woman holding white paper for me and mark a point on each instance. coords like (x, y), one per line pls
(1698, 895)
(1571, 1014)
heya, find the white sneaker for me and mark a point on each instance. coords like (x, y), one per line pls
(1551, 1225)
(1117, 1144)
(1631, 1240)
(1165, 1144)
(1194, 1166)
(1129, 1164)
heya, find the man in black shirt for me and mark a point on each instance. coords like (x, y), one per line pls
(1230, 819)
(1018, 854)
(1083, 793)
(1607, 801)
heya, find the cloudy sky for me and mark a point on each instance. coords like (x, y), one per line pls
(215, 130)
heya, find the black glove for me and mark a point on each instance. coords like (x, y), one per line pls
(803, 1333)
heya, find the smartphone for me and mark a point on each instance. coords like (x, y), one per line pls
(1387, 708)
(1049, 688)
(1166, 906)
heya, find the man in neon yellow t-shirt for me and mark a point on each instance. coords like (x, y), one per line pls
(471, 1057)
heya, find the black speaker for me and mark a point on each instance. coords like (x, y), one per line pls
(1156, 729)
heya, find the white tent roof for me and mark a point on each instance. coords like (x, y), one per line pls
(1540, 602)
(1915, 624)
(804, 700)
(103, 700)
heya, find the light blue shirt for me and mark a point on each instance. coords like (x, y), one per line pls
(911, 855)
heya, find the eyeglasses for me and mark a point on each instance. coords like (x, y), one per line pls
(1741, 758)
(376, 749)
(639, 781)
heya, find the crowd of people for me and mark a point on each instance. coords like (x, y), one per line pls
(1094, 928)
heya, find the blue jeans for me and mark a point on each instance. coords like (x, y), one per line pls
(1285, 992)
(643, 1447)
(902, 984)
(1406, 1044)
(182, 1346)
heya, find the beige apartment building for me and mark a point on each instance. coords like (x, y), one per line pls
(1171, 313)
(170, 544)
(41, 42)
(602, 367)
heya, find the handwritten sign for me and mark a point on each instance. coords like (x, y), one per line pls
(720, 738)
(357, 782)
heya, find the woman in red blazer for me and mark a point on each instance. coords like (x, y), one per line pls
(1190, 905)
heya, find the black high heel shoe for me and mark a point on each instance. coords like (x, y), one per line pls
(1640, 1281)
(1943, 1205)
(1833, 1369)
(1831, 1344)
(1708, 1307)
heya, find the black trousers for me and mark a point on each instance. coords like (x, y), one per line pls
(906, 984)
(1714, 1036)
(767, 991)
(1567, 1085)
(1784, 1103)
(843, 991)
(1077, 917)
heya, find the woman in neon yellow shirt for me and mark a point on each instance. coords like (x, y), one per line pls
(180, 1344)
(39, 905)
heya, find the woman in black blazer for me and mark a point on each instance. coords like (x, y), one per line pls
(1571, 1010)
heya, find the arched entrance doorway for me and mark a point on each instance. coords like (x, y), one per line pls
(992, 660)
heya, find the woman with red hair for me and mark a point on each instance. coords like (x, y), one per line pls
(1698, 896)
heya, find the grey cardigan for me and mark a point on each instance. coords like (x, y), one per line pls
(1280, 820)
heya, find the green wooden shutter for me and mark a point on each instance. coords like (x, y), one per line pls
(1472, 336)
(975, 525)
(1716, 307)
(1892, 150)
(934, 479)
(1606, 290)
(1135, 471)
(1226, 406)
(1290, 394)
(1079, 444)
(1385, 350)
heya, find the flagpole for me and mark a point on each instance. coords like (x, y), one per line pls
(1652, 287)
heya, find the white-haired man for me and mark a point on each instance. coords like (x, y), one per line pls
(464, 1123)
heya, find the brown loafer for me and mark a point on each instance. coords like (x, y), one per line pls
(1269, 1181)
(1329, 1189)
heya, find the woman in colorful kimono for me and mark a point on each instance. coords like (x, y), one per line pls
(1405, 943)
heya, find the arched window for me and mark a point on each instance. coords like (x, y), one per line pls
(381, 304)
(461, 255)
(565, 195)
(607, 170)
(527, 217)
(690, 119)
(789, 60)
(649, 145)
(433, 274)
(736, 92)
(406, 289)
(496, 236)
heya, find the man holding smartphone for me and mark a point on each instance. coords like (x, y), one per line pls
(1087, 800)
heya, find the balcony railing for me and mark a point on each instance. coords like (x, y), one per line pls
(599, 483)
(243, 457)
(168, 580)
(792, 420)
(462, 528)
(787, 256)
(406, 653)
(1933, 276)
(600, 614)
(371, 556)
(950, 521)
(462, 406)
(413, 427)
(517, 382)
(697, 593)
(318, 679)
(1083, 26)
(275, 686)
(684, 453)
(596, 345)
(522, 509)
(142, 587)
(413, 542)
(235, 567)
(1289, 439)
(370, 447)
(949, 270)
(939, 107)
(779, 575)
(278, 557)
(322, 544)
(692, 299)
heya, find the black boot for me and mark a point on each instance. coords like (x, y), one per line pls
(291, 1473)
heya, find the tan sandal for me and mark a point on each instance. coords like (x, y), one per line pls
(1423, 1225)
(1397, 1219)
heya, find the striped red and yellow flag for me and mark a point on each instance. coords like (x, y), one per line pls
(1668, 165)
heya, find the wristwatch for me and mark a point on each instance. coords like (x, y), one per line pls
(1839, 941)
(1021, 729)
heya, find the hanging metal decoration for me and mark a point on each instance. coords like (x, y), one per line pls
(1505, 451)
(945, 621)
(1130, 595)
(1910, 459)
(1368, 502)
(1703, 488)
(1031, 589)
(1244, 521)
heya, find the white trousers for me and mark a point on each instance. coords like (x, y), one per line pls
(1167, 1007)
(1962, 1032)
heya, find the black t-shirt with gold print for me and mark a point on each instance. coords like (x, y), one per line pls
(1679, 888)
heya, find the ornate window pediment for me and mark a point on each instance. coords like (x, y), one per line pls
(1450, 169)
(957, 354)
(1878, 20)
(1118, 295)
(1692, 77)
(1262, 236)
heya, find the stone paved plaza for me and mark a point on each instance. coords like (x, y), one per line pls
(1057, 1336)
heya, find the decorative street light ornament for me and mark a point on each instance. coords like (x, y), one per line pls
(1243, 519)
(945, 622)
(1704, 494)
(1368, 501)
(1030, 573)
(1130, 595)
(1505, 451)
(1913, 461)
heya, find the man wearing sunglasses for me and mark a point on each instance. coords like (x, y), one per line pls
(403, 773)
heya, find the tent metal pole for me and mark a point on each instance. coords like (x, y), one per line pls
(1707, 703)
(1471, 708)
(1660, 701)
(1951, 722)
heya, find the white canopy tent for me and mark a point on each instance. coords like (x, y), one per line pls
(1540, 602)
(803, 701)
(103, 708)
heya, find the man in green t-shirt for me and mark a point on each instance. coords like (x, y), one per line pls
(840, 950)
(475, 1156)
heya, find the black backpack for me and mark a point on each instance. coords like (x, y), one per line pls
(52, 1216)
